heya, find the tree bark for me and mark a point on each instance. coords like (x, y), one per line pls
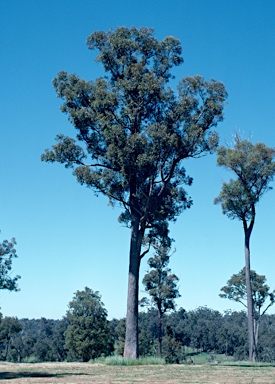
(131, 337)
(160, 316)
(250, 311)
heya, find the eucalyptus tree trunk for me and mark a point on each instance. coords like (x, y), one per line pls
(250, 311)
(131, 337)
(160, 318)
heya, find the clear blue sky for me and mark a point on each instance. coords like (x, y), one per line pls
(68, 238)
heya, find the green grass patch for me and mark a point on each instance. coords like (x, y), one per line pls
(119, 360)
(80, 373)
(209, 358)
(198, 357)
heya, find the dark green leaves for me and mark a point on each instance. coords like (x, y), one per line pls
(236, 290)
(159, 282)
(7, 254)
(88, 335)
(66, 151)
(254, 167)
(124, 52)
(133, 129)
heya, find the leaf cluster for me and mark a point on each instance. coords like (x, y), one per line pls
(88, 335)
(133, 130)
(254, 166)
(9, 326)
(236, 290)
(160, 283)
(7, 254)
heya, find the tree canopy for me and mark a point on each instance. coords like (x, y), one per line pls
(160, 283)
(254, 167)
(236, 290)
(7, 254)
(133, 131)
(88, 334)
(9, 327)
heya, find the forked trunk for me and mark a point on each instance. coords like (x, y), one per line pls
(131, 337)
(250, 314)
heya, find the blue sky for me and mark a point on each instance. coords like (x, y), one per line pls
(66, 237)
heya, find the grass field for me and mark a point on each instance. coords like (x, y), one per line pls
(78, 373)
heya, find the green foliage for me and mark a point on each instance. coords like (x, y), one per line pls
(119, 360)
(7, 254)
(172, 348)
(204, 324)
(189, 337)
(120, 331)
(88, 335)
(254, 167)
(148, 334)
(59, 339)
(231, 337)
(134, 128)
(39, 340)
(132, 133)
(9, 327)
(160, 284)
(236, 290)
(266, 345)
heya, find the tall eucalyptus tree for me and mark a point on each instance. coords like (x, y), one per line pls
(135, 131)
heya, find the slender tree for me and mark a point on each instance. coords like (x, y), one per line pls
(236, 290)
(7, 254)
(135, 131)
(161, 285)
(254, 167)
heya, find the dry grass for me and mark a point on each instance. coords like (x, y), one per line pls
(81, 373)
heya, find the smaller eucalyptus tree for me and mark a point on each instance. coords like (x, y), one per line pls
(161, 285)
(236, 290)
(254, 167)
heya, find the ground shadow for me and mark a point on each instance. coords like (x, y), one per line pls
(18, 375)
(249, 365)
(21, 375)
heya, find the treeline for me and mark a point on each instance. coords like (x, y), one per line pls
(185, 333)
